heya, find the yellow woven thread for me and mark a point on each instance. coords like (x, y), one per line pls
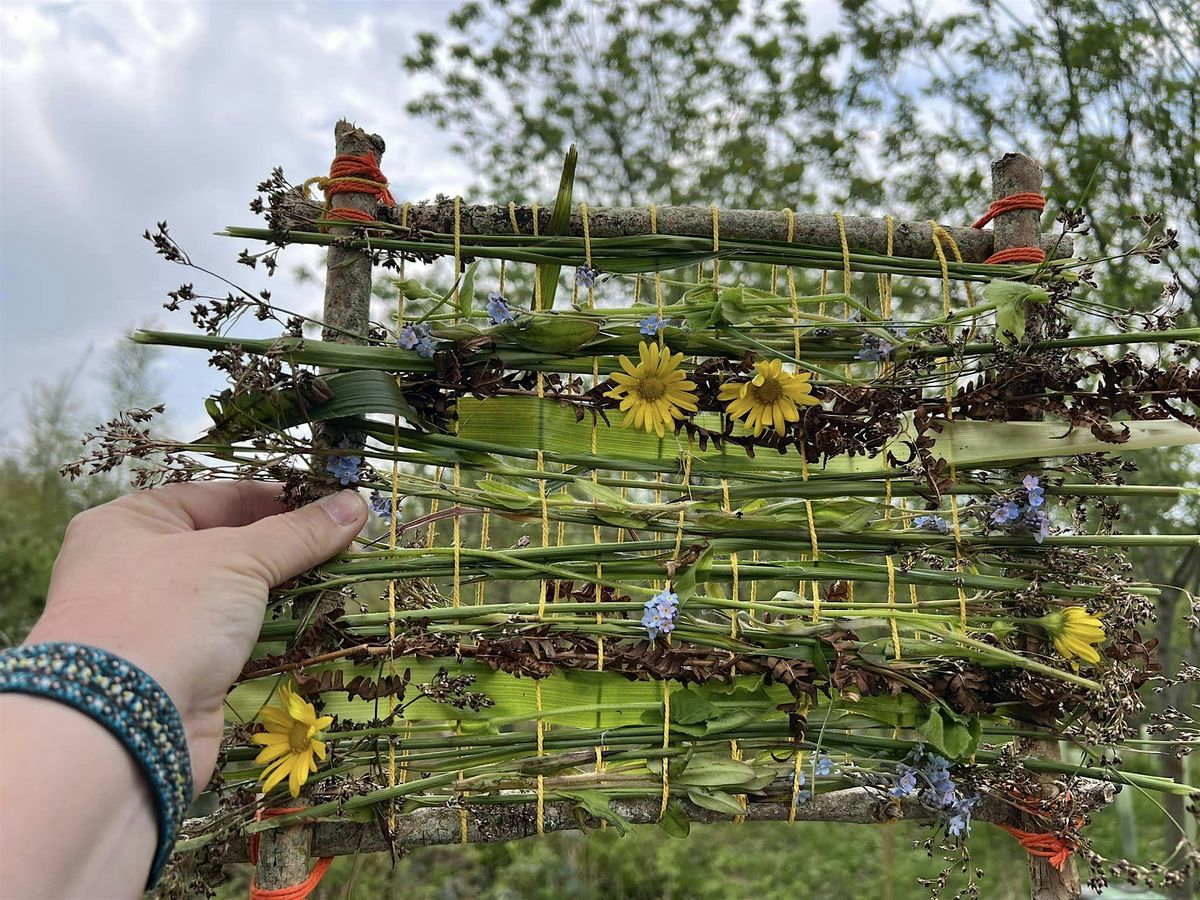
(733, 564)
(735, 753)
(791, 285)
(816, 555)
(666, 782)
(658, 287)
(891, 570)
(795, 786)
(885, 281)
(456, 530)
(457, 253)
(541, 751)
(587, 249)
(939, 234)
(431, 535)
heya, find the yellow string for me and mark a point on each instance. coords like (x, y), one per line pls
(457, 252)
(587, 250)
(891, 570)
(541, 750)
(796, 769)
(666, 784)
(733, 565)
(885, 281)
(658, 287)
(939, 234)
(816, 555)
(716, 247)
(791, 283)
(735, 753)
(841, 226)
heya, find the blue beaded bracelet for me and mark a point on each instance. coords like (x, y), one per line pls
(127, 702)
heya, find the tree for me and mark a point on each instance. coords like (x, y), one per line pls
(737, 103)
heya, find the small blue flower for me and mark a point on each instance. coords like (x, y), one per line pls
(427, 347)
(906, 785)
(652, 325)
(959, 824)
(1038, 522)
(498, 311)
(900, 332)
(344, 467)
(1006, 512)
(873, 349)
(382, 506)
(659, 613)
(932, 523)
(585, 276)
(802, 796)
(411, 335)
(824, 764)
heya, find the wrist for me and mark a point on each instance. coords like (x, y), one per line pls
(124, 700)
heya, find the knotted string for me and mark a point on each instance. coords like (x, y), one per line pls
(1022, 200)
(295, 891)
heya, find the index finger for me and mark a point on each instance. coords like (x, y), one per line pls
(219, 504)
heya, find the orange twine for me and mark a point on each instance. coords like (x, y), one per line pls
(1023, 200)
(356, 175)
(295, 891)
(1042, 844)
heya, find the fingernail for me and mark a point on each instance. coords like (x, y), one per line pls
(343, 507)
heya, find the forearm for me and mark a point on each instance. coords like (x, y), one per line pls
(77, 818)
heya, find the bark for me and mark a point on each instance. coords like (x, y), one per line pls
(434, 826)
(283, 852)
(912, 239)
(1015, 173)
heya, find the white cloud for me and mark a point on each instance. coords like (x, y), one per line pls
(113, 116)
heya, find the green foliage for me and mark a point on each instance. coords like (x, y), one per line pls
(38, 502)
(740, 104)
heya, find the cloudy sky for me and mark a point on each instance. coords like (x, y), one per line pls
(116, 115)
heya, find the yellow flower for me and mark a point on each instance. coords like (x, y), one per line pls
(769, 398)
(1073, 631)
(289, 743)
(654, 392)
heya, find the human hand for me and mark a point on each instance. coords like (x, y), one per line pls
(175, 580)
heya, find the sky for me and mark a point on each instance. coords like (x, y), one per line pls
(114, 116)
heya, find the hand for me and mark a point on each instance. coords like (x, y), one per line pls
(175, 580)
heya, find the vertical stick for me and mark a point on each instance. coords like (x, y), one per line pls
(1015, 173)
(283, 852)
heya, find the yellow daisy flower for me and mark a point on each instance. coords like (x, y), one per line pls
(289, 743)
(654, 392)
(1074, 630)
(769, 398)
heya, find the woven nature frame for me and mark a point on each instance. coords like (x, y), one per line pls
(570, 618)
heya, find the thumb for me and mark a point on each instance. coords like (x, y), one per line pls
(289, 543)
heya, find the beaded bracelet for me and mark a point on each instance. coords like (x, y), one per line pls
(126, 701)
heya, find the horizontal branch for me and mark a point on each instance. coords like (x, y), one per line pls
(491, 823)
(912, 239)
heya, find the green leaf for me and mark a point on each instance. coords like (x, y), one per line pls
(466, 292)
(710, 771)
(1010, 298)
(689, 708)
(717, 801)
(555, 333)
(596, 805)
(560, 219)
(675, 822)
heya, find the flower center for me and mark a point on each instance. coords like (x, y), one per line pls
(767, 392)
(652, 388)
(298, 738)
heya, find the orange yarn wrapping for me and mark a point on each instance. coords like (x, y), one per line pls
(1045, 845)
(296, 891)
(1023, 200)
(356, 175)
